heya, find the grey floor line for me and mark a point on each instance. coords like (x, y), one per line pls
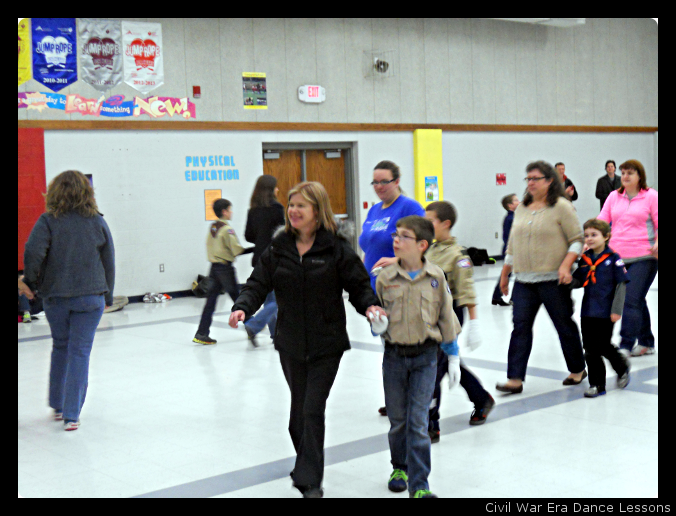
(263, 473)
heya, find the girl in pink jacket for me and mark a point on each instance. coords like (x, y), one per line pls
(632, 211)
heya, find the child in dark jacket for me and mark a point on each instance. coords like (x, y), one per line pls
(602, 274)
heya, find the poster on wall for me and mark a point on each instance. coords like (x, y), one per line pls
(25, 71)
(143, 63)
(54, 52)
(254, 90)
(100, 52)
(431, 188)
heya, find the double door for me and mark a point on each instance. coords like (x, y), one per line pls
(327, 167)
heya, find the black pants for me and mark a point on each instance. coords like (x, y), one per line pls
(310, 383)
(475, 391)
(596, 335)
(222, 276)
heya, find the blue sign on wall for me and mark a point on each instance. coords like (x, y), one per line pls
(54, 52)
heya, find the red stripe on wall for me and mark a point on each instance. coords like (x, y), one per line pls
(31, 182)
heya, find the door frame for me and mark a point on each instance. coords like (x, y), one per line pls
(351, 193)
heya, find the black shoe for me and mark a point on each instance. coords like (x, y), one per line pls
(479, 415)
(203, 339)
(313, 492)
(252, 337)
(435, 435)
(500, 302)
(382, 411)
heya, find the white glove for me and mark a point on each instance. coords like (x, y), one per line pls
(378, 323)
(473, 335)
(453, 371)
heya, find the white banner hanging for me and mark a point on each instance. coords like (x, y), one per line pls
(100, 44)
(143, 68)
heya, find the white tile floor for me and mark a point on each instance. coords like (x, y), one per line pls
(167, 417)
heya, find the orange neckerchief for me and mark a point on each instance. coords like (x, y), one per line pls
(592, 267)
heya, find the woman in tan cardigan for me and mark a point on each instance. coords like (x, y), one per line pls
(545, 241)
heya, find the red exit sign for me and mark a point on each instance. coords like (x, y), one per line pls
(313, 92)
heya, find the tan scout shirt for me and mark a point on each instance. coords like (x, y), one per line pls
(222, 243)
(457, 265)
(418, 309)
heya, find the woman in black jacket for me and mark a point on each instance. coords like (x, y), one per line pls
(309, 265)
(265, 215)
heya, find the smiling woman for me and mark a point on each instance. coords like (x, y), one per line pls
(309, 264)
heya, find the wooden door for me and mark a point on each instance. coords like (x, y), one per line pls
(287, 170)
(330, 172)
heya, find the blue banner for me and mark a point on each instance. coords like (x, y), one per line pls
(54, 52)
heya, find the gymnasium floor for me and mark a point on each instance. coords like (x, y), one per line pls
(167, 417)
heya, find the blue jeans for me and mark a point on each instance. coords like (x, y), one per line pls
(635, 316)
(73, 321)
(527, 299)
(409, 384)
(268, 315)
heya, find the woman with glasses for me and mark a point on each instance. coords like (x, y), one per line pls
(381, 221)
(545, 240)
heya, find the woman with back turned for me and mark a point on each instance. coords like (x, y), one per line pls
(70, 259)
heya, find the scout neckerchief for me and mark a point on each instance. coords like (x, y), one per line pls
(592, 267)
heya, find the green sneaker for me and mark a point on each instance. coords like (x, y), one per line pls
(397, 482)
(423, 493)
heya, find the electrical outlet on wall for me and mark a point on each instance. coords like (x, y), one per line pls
(161, 267)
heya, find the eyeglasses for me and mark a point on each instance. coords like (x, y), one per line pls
(382, 183)
(402, 237)
(533, 179)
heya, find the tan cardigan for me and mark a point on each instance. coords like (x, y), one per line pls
(539, 240)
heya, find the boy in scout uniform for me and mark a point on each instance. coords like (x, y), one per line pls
(414, 293)
(222, 248)
(459, 271)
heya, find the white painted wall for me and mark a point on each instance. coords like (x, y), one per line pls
(156, 216)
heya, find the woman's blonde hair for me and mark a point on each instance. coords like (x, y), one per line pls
(70, 191)
(315, 194)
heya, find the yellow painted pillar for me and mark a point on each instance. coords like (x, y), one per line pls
(428, 166)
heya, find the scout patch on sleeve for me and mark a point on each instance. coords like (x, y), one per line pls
(435, 283)
(465, 263)
(231, 231)
(619, 263)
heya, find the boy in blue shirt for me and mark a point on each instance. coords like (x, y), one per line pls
(602, 273)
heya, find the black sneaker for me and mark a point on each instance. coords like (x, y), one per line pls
(251, 336)
(382, 411)
(398, 482)
(313, 492)
(202, 339)
(435, 435)
(479, 415)
(422, 493)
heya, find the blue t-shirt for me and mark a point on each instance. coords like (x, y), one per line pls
(376, 239)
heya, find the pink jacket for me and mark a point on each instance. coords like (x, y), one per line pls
(634, 222)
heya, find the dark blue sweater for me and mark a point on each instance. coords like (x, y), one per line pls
(69, 256)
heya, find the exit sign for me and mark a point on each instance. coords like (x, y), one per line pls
(311, 93)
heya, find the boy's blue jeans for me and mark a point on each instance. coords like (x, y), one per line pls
(409, 384)
(73, 322)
